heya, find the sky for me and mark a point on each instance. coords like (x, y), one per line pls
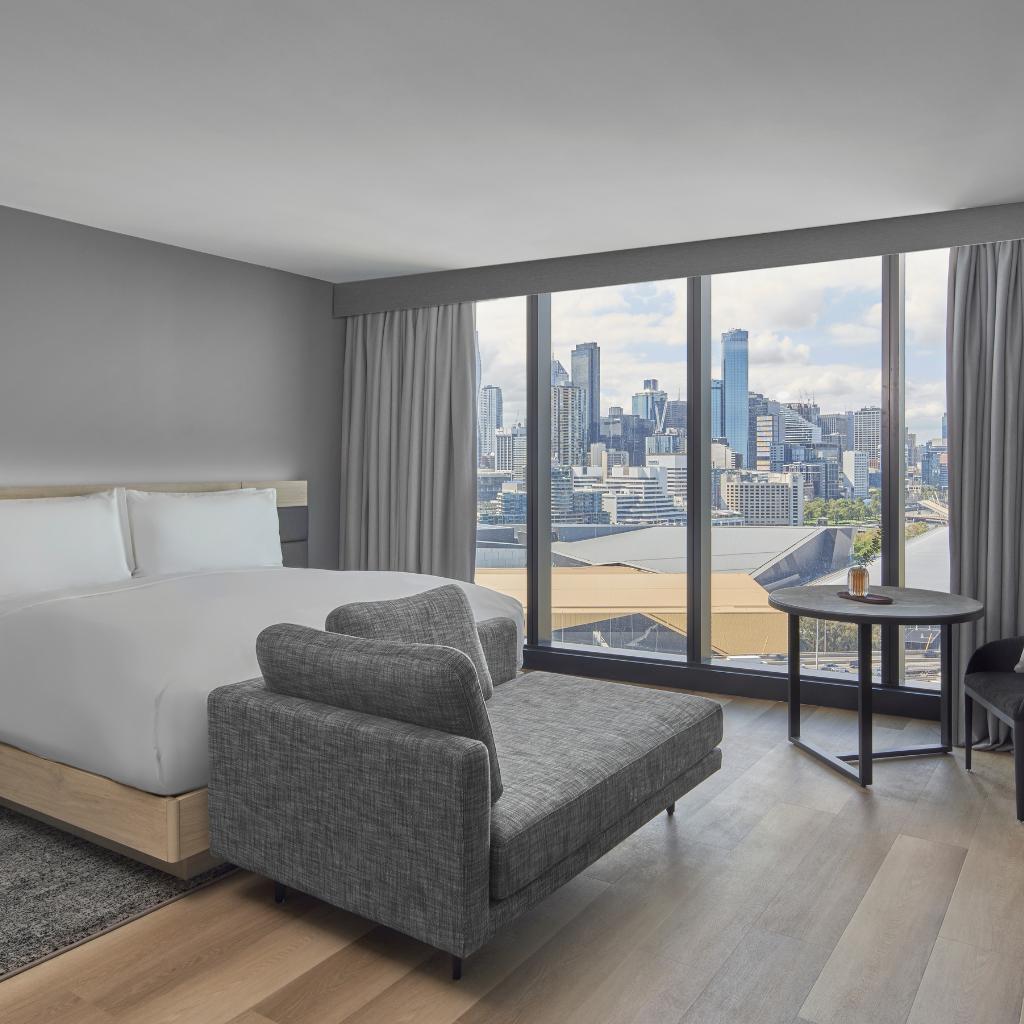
(815, 333)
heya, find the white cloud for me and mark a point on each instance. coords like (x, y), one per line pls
(788, 299)
(767, 347)
(835, 388)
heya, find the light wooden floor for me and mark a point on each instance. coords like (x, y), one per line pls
(778, 893)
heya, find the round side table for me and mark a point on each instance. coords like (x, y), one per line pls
(909, 607)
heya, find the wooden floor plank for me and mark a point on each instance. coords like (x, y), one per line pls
(778, 892)
(963, 984)
(345, 981)
(820, 897)
(764, 981)
(874, 971)
(987, 909)
(428, 996)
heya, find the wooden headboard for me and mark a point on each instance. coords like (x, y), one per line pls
(292, 504)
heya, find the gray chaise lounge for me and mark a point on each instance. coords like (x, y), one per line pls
(401, 823)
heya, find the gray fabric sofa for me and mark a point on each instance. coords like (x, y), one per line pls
(397, 822)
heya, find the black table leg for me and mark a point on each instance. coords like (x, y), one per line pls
(946, 691)
(865, 761)
(794, 677)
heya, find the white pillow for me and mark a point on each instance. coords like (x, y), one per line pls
(60, 543)
(174, 532)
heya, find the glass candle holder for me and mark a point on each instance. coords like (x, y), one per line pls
(858, 581)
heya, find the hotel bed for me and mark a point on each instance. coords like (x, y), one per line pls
(103, 691)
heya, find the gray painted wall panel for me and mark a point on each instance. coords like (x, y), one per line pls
(122, 359)
(687, 259)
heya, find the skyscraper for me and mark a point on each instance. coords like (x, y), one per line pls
(510, 452)
(489, 418)
(675, 415)
(867, 434)
(586, 374)
(559, 374)
(735, 411)
(649, 404)
(568, 425)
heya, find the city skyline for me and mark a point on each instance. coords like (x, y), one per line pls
(822, 342)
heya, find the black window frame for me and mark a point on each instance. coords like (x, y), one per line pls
(693, 672)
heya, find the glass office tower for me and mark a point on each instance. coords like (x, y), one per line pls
(735, 412)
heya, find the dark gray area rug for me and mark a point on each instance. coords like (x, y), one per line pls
(58, 890)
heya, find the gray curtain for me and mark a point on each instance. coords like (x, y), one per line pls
(408, 445)
(985, 392)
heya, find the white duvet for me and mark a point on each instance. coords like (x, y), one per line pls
(114, 679)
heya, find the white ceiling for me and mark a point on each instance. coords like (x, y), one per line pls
(347, 140)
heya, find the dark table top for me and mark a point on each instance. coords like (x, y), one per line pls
(909, 606)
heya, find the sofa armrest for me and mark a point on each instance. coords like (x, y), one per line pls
(997, 656)
(499, 638)
(386, 819)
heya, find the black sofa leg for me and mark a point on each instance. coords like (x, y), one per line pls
(671, 809)
(280, 892)
(968, 729)
(456, 968)
(1018, 768)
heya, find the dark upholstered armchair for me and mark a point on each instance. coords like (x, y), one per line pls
(992, 682)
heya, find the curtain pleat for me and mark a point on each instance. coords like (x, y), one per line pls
(985, 390)
(408, 446)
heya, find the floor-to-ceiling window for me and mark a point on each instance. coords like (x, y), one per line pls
(618, 468)
(926, 512)
(647, 514)
(501, 446)
(795, 453)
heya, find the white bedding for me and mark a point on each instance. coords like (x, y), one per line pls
(114, 679)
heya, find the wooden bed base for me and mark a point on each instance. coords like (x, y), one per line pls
(167, 832)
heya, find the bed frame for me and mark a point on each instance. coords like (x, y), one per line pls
(167, 832)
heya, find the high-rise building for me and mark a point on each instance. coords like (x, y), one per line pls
(625, 433)
(559, 374)
(797, 428)
(561, 494)
(488, 419)
(735, 413)
(675, 415)
(855, 474)
(867, 434)
(568, 425)
(588, 505)
(765, 499)
(945, 428)
(674, 467)
(488, 485)
(840, 423)
(666, 442)
(586, 374)
(770, 448)
(808, 410)
(649, 404)
(510, 450)
(639, 494)
(717, 429)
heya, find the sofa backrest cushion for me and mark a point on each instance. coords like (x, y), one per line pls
(424, 684)
(439, 616)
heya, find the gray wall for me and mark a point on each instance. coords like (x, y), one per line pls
(122, 360)
(685, 259)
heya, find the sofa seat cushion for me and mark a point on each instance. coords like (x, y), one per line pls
(1003, 690)
(577, 755)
